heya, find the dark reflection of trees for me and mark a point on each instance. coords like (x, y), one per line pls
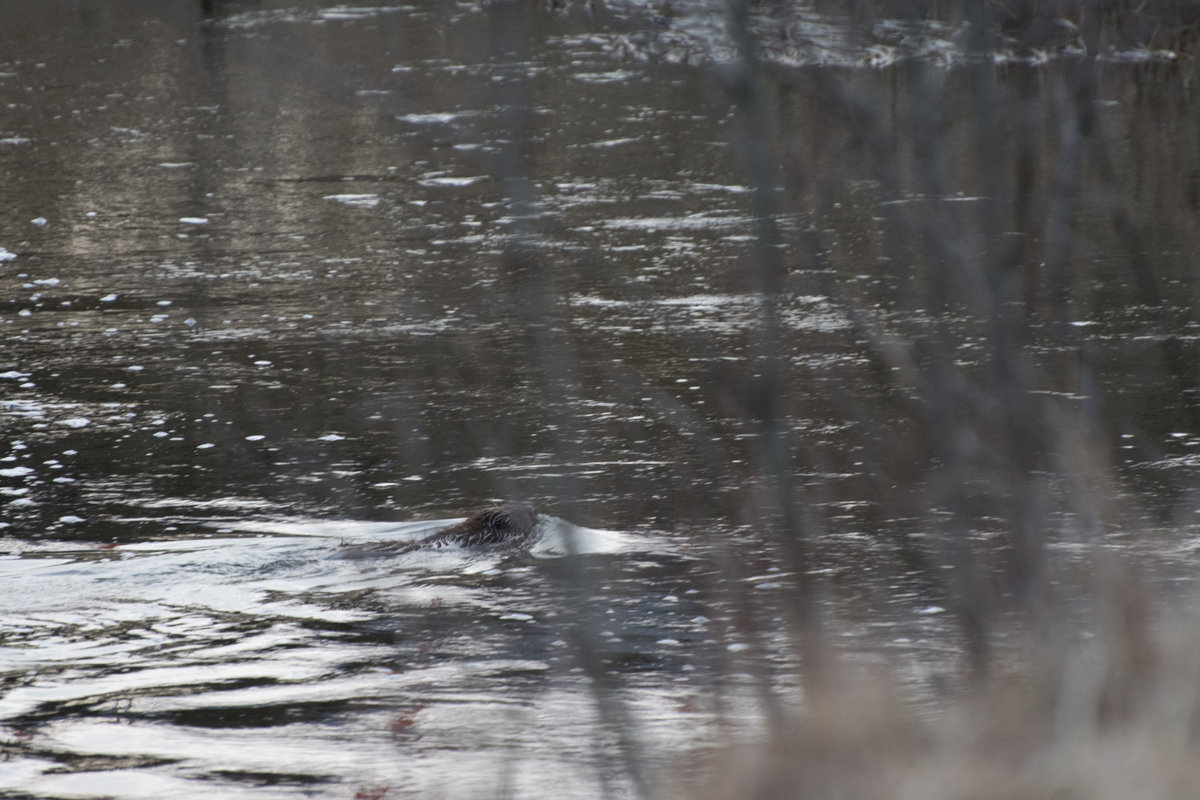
(985, 181)
(1006, 276)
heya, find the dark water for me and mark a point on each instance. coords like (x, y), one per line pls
(279, 277)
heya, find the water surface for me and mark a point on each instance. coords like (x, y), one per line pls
(280, 277)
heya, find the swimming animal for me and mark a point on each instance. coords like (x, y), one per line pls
(507, 525)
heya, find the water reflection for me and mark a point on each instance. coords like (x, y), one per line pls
(265, 659)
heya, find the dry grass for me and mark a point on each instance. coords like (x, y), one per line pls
(1115, 715)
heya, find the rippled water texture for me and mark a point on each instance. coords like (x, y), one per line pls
(279, 278)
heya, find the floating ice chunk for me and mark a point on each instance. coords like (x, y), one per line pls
(12, 374)
(205, 446)
(6, 255)
(414, 478)
(77, 422)
(357, 200)
(194, 220)
(136, 368)
(21, 501)
(450, 180)
(108, 298)
(353, 13)
(47, 282)
(616, 76)
(164, 302)
(932, 610)
(175, 164)
(16, 472)
(435, 118)
(331, 437)
(256, 437)
(41, 222)
(611, 142)
(70, 519)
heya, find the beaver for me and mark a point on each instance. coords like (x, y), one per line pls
(508, 525)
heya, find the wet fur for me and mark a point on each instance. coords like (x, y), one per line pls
(506, 524)
(509, 525)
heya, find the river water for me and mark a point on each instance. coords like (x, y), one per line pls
(281, 277)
